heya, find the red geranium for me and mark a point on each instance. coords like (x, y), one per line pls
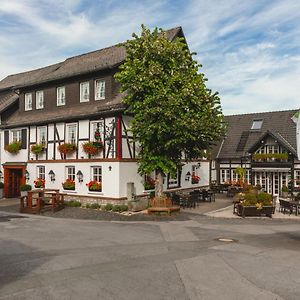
(94, 186)
(39, 183)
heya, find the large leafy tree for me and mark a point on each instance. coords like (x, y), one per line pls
(175, 116)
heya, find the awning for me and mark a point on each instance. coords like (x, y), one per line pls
(271, 169)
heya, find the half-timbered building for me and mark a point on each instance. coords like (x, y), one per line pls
(265, 145)
(69, 125)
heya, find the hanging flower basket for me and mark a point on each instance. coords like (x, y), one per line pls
(13, 147)
(39, 183)
(37, 148)
(66, 148)
(69, 184)
(97, 135)
(92, 148)
(94, 186)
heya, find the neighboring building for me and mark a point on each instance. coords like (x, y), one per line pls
(262, 143)
(74, 102)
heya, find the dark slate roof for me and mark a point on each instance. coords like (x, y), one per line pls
(89, 62)
(278, 123)
(7, 98)
(62, 113)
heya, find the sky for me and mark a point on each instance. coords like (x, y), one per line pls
(249, 50)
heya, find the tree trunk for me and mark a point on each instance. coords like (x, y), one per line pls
(159, 183)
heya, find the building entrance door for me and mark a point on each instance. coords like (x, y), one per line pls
(15, 176)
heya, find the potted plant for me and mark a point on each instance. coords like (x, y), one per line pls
(256, 205)
(195, 179)
(24, 188)
(37, 148)
(92, 148)
(39, 183)
(66, 148)
(69, 184)
(1, 189)
(149, 183)
(13, 147)
(94, 186)
(284, 191)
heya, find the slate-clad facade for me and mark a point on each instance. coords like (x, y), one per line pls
(67, 103)
(262, 143)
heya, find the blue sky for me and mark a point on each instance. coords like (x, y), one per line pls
(249, 49)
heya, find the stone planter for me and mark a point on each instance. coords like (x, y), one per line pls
(138, 205)
(248, 211)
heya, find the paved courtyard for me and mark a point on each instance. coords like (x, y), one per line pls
(57, 258)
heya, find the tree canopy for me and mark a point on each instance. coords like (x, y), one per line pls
(175, 116)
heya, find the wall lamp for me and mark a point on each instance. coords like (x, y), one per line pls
(187, 176)
(109, 168)
(51, 175)
(198, 165)
(27, 175)
(79, 176)
(1, 175)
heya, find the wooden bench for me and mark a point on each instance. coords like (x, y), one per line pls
(40, 200)
(162, 205)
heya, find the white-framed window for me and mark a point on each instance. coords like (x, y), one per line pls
(71, 133)
(94, 126)
(61, 96)
(42, 135)
(41, 172)
(70, 173)
(28, 101)
(96, 173)
(16, 135)
(39, 99)
(99, 89)
(225, 175)
(84, 91)
(297, 177)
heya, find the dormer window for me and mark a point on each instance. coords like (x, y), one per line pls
(28, 101)
(84, 91)
(39, 98)
(61, 96)
(99, 89)
(256, 124)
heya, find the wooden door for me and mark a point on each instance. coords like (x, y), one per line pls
(15, 176)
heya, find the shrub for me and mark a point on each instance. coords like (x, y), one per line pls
(25, 187)
(88, 205)
(285, 189)
(149, 183)
(13, 147)
(37, 148)
(265, 199)
(152, 195)
(108, 207)
(73, 203)
(95, 206)
(258, 187)
(1, 185)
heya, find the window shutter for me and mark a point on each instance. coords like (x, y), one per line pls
(24, 139)
(6, 137)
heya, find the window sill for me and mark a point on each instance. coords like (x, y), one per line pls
(95, 193)
(70, 191)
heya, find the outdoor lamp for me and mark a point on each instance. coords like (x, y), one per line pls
(27, 175)
(187, 176)
(198, 165)
(109, 168)
(1, 175)
(51, 175)
(79, 176)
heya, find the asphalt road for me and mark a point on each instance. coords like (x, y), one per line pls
(49, 258)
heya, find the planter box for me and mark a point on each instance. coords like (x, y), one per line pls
(248, 211)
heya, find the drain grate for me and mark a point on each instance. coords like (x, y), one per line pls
(226, 240)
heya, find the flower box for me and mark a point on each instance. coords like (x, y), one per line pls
(92, 148)
(248, 211)
(94, 186)
(13, 147)
(37, 148)
(69, 185)
(39, 183)
(66, 148)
